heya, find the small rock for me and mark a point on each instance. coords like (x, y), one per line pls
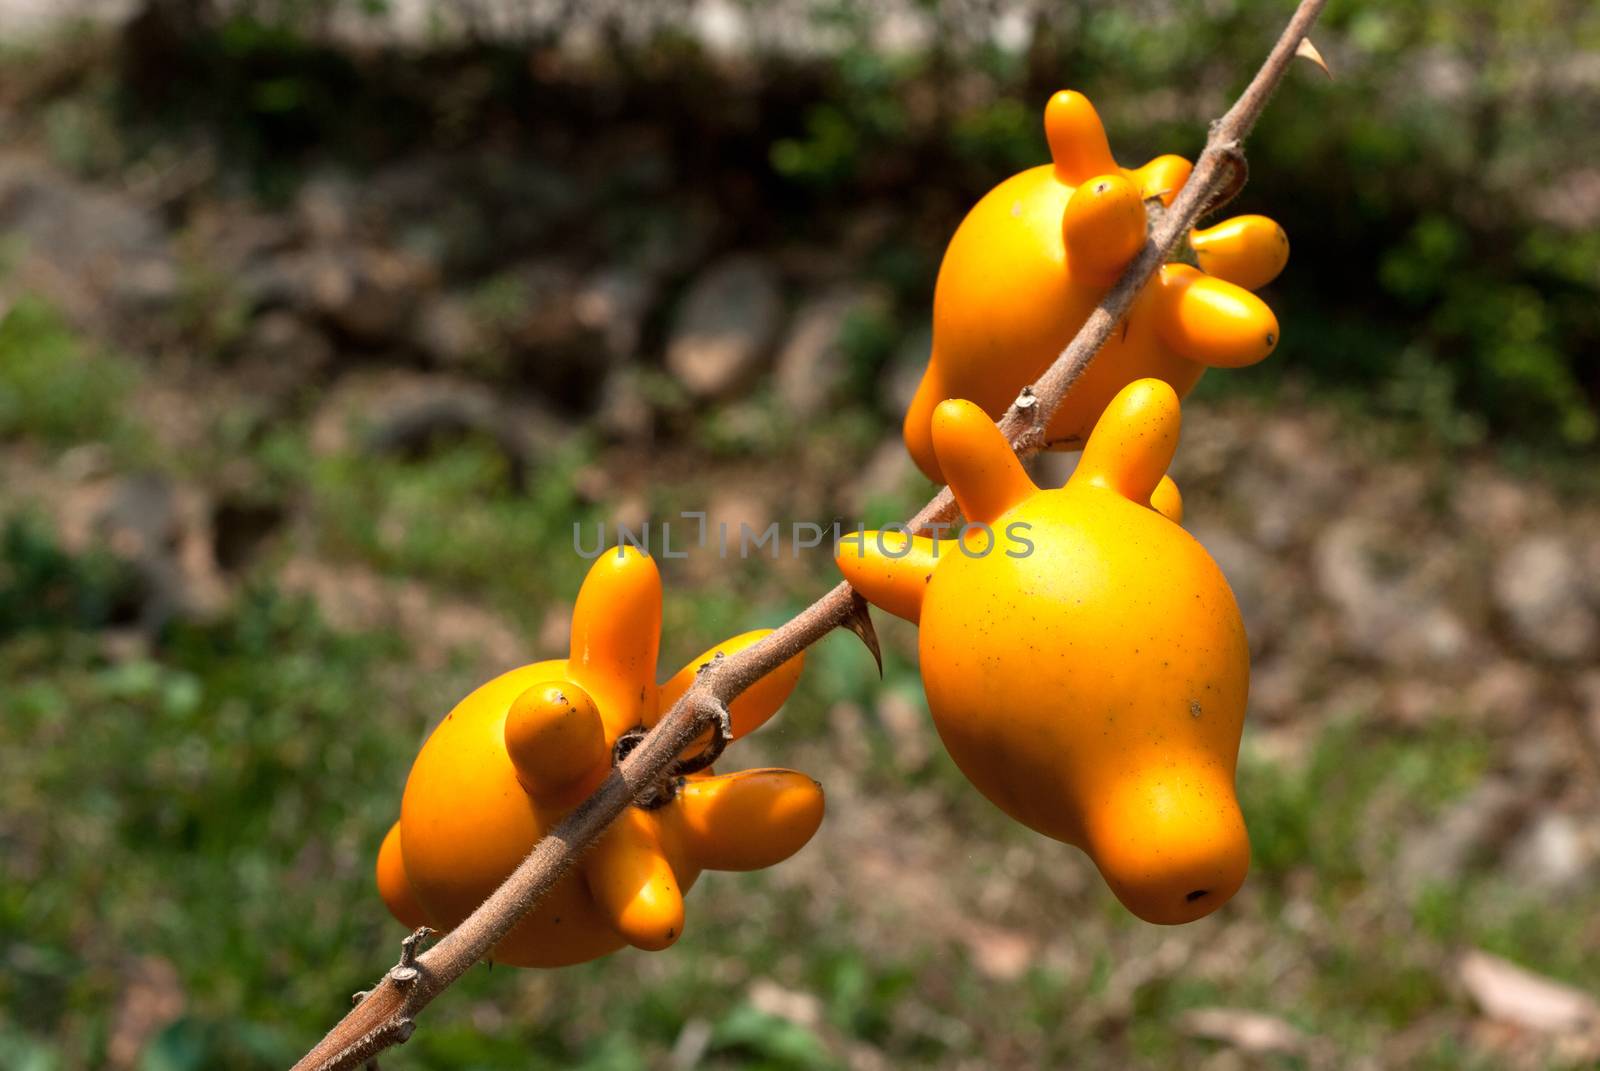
(812, 364)
(1555, 851)
(1538, 585)
(725, 327)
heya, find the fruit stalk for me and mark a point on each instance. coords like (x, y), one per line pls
(386, 1015)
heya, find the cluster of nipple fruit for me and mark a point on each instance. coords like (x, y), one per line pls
(1083, 657)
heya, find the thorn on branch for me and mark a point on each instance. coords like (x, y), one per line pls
(1308, 51)
(860, 621)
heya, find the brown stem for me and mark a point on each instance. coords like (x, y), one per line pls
(387, 1015)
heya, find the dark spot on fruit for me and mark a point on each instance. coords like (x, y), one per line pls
(1101, 188)
(1272, 339)
(1195, 894)
(1194, 708)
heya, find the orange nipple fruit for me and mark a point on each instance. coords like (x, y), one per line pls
(515, 756)
(1083, 657)
(1040, 250)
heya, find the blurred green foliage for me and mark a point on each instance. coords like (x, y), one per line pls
(54, 386)
(456, 519)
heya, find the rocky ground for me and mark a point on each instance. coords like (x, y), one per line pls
(361, 398)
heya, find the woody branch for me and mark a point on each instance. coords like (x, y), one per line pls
(386, 1015)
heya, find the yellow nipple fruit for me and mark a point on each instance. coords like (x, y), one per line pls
(1035, 255)
(1084, 659)
(516, 755)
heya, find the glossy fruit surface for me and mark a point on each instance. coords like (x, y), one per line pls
(518, 753)
(1034, 256)
(1247, 250)
(1088, 672)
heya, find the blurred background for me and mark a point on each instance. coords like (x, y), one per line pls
(324, 321)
